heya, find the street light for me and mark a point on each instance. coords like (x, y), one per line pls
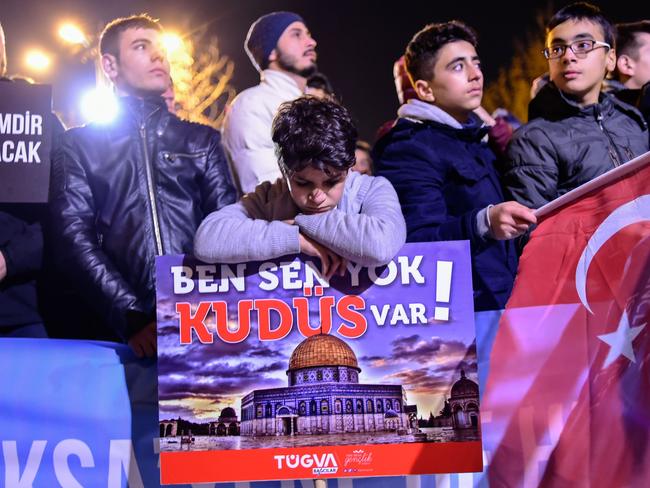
(173, 43)
(85, 47)
(37, 60)
(179, 56)
(99, 105)
(72, 34)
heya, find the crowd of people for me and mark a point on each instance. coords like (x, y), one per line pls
(287, 173)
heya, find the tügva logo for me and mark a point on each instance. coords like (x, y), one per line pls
(321, 463)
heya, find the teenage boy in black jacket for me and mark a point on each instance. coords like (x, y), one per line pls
(576, 132)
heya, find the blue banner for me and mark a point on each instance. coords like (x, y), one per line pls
(85, 414)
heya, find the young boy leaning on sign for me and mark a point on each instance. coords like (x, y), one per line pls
(319, 207)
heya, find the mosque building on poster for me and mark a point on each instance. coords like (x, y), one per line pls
(324, 396)
(464, 403)
(227, 424)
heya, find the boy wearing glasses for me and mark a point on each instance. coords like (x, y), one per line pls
(576, 132)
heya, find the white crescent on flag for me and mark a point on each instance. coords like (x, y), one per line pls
(634, 211)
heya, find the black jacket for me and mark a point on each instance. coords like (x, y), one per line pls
(564, 145)
(126, 192)
(444, 177)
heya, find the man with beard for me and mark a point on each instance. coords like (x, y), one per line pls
(282, 49)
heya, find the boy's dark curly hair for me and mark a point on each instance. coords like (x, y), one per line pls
(313, 132)
(422, 52)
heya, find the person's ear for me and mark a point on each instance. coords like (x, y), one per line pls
(611, 60)
(273, 56)
(110, 66)
(424, 91)
(625, 65)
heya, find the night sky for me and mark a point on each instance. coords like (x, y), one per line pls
(358, 40)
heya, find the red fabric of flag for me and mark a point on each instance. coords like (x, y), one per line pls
(568, 390)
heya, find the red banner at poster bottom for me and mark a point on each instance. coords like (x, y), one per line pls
(320, 462)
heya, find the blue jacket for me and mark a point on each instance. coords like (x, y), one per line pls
(444, 176)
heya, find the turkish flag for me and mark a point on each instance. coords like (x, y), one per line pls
(568, 391)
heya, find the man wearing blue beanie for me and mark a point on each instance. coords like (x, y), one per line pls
(282, 49)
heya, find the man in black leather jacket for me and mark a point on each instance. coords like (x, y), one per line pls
(127, 191)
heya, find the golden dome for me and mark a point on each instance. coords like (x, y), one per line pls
(322, 350)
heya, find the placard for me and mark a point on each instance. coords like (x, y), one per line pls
(269, 372)
(25, 142)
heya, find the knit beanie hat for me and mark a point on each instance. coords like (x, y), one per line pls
(263, 36)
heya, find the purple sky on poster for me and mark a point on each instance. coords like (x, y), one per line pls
(196, 380)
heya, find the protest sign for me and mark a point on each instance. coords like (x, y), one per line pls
(25, 141)
(268, 372)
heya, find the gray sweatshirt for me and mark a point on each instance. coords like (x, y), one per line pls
(367, 227)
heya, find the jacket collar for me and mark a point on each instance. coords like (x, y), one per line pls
(280, 82)
(142, 108)
(551, 104)
(133, 112)
(421, 112)
(418, 110)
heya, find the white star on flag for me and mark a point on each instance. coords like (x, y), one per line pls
(620, 341)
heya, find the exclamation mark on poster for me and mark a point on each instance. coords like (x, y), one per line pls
(443, 289)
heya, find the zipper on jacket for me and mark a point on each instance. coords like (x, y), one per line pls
(614, 155)
(629, 153)
(150, 190)
(170, 156)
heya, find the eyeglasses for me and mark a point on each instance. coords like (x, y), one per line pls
(580, 48)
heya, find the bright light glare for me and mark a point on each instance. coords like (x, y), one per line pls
(99, 105)
(172, 42)
(37, 60)
(72, 34)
